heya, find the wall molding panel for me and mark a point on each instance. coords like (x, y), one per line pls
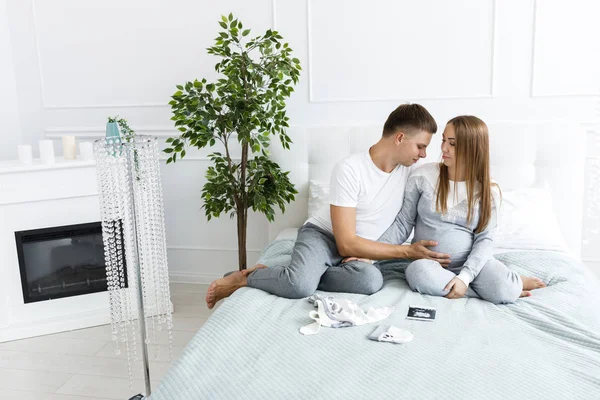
(343, 99)
(566, 42)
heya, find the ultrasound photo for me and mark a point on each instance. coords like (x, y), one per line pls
(421, 313)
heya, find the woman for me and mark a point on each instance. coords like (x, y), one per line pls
(455, 203)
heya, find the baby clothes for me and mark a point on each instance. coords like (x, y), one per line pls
(340, 313)
(392, 334)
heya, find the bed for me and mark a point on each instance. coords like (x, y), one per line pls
(543, 347)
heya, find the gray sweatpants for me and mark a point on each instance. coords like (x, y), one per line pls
(316, 264)
(495, 282)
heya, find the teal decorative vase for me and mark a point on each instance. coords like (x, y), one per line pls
(113, 136)
(112, 131)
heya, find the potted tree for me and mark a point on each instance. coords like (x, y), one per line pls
(246, 103)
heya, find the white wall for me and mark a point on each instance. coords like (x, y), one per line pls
(10, 129)
(77, 62)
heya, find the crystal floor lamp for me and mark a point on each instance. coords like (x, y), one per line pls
(133, 232)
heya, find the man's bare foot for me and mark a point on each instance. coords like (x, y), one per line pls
(224, 287)
(530, 283)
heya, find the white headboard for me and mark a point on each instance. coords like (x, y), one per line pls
(522, 155)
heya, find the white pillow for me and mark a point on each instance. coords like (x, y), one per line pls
(318, 196)
(527, 221)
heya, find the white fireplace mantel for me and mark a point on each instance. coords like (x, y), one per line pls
(40, 196)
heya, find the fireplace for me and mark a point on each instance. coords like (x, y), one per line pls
(61, 261)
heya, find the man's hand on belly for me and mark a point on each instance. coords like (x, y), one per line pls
(419, 251)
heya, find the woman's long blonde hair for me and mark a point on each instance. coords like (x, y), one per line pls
(472, 153)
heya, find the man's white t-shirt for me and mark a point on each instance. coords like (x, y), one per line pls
(377, 195)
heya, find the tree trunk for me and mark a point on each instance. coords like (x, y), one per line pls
(242, 209)
(242, 221)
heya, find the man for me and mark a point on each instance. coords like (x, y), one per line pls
(366, 194)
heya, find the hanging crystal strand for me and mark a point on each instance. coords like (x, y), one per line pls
(141, 216)
(147, 149)
(151, 266)
(136, 185)
(150, 150)
(107, 233)
(130, 298)
(114, 152)
(154, 166)
(164, 270)
(160, 251)
(154, 176)
(117, 265)
(119, 259)
(109, 214)
(113, 162)
(120, 251)
(119, 220)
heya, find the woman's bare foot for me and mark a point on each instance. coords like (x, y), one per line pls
(530, 283)
(525, 293)
(224, 287)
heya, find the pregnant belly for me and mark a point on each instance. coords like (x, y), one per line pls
(456, 242)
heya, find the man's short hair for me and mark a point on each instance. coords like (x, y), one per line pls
(409, 118)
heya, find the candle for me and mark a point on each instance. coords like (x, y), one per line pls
(86, 150)
(47, 151)
(69, 148)
(25, 156)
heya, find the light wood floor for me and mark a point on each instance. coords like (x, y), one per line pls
(82, 364)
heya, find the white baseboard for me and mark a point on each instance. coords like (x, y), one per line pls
(200, 265)
(55, 325)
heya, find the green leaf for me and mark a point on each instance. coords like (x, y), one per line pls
(230, 17)
(223, 25)
(246, 32)
(168, 150)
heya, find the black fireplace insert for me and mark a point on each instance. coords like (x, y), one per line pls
(61, 261)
